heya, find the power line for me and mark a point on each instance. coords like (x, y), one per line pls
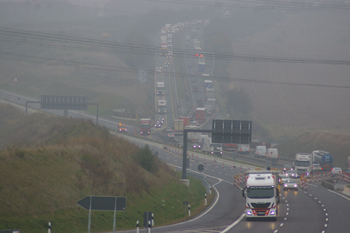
(22, 36)
(175, 74)
(264, 4)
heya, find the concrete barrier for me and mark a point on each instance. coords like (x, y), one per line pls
(328, 184)
(346, 191)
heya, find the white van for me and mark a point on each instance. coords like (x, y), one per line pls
(260, 151)
(243, 149)
(272, 154)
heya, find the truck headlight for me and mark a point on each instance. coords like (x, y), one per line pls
(249, 212)
(272, 212)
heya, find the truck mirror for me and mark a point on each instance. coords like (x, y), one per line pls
(243, 193)
(277, 192)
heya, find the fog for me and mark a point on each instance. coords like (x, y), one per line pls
(300, 90)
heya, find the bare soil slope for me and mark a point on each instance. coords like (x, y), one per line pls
(338, 145)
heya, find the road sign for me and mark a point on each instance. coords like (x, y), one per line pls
(200, 167)
(231, 131)
(103, 203)
(148, 216)
(64, 102)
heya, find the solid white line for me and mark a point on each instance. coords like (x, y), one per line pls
(339, 194)
(233, 224)
(312, 185)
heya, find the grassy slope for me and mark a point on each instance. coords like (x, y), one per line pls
(42, 182)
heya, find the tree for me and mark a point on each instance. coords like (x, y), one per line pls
(146, 159)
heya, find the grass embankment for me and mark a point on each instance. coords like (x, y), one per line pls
(49, 163)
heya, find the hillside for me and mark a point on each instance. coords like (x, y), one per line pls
(338, 145)
(48, 163)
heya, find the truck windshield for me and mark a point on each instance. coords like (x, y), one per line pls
(260, 192)
(215, 145)
(302, 163)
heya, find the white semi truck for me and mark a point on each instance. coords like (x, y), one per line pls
(160, 88)
(303, 163)
(262, 194)
(209, 147)
(162, 106)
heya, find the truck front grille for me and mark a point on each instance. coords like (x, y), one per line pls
(261, 205)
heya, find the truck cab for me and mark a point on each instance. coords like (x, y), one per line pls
(261, 194)
(122, 128)
(216, 149)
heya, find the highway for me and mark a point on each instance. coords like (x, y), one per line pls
(316, 210)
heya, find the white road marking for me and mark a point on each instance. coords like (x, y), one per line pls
(339, 194)
(233, 224)
(281, 224)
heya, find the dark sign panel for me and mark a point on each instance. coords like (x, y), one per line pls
(231, 131)
(64, 102)
(103, 203)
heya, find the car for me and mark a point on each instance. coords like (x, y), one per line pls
(283, 178)
(161, 120)
(287, 167)
(159, 69)
(168, 129)
(166, 65)
(196, 123)
(195, 88)
(171, 135)
(336, 170)
(316, 167)
(196, 146)
(158, 124)
(292, 174)
(290, 184)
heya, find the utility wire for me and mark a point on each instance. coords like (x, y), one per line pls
(23, 36)
(42, 60)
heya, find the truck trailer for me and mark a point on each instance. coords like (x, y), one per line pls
(200, 114)
(145, 126)
(178, 126)
(323, 158)
(160, 88)
(161, 108)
